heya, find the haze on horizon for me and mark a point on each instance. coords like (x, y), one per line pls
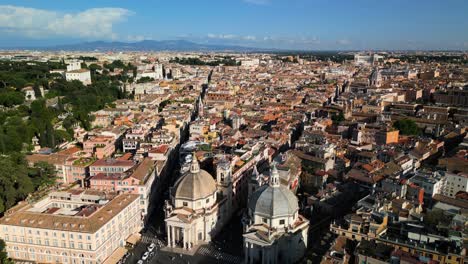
(278, 24)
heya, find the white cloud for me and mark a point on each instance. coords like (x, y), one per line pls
(249, 38)
(291, 40)
(94, 23)
(222, 36)
(257, 2)
(137, 38)
(343, 42)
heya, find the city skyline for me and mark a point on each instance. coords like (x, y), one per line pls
(265, 24)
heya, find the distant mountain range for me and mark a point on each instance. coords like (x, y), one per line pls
(148, 45)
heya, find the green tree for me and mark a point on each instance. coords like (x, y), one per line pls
(337, 118)
(407, 127)
(3, 255)
(42, 174)
(145, 80)
(9, 97)
(15, 183)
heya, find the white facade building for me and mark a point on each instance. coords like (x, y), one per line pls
(454, 183)
(250, 62)
(82, 75)
(366, 59)
(73, 66)
(199, 206)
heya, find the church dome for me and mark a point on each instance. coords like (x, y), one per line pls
(273, 200)
(196, 184)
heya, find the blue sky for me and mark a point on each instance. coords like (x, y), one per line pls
(287, 24)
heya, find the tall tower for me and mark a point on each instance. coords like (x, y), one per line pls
(348, 109)
(253, 182)
(224, 182)
(200, 108)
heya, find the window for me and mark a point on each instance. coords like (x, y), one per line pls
(282, 222)
(265, 220)
(184, 203)
(208, 200)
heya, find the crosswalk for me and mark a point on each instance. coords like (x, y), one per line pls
(220, 256)
(152, 239)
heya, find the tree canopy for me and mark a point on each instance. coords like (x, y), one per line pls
(3, 255)
(50, 118)
(407, 127)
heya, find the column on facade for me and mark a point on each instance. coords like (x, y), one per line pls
(275, 253)
(169, 238)
(189, 238)
(172, 236)
(205, 237)
(263, 255)
(251, 253)
(184, 239)
(246, 252)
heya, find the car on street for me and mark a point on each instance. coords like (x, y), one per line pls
(151, 247)
(140, 262)
(145, 256)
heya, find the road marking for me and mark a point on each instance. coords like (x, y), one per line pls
(219, 255)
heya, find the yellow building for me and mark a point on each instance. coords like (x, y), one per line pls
(75, 226)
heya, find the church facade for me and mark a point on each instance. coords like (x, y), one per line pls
(199, 206)
(274, 231)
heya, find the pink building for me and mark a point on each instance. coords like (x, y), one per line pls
(99, 146)
(110, 166)
(136, 179)
(77, 169)
(159, 153)
(69, 166)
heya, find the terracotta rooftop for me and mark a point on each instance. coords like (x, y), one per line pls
(20, 216)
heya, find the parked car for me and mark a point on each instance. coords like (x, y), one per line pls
(151, 247)
(145, 256)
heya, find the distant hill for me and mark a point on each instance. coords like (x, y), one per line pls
(149, 45)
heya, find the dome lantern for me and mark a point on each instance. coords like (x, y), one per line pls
(194, 167)
(274, 177)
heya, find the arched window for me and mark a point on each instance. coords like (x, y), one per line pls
(64, 257)
(48, 255)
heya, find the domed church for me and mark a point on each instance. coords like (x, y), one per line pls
(274, 232)
(199, 206)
